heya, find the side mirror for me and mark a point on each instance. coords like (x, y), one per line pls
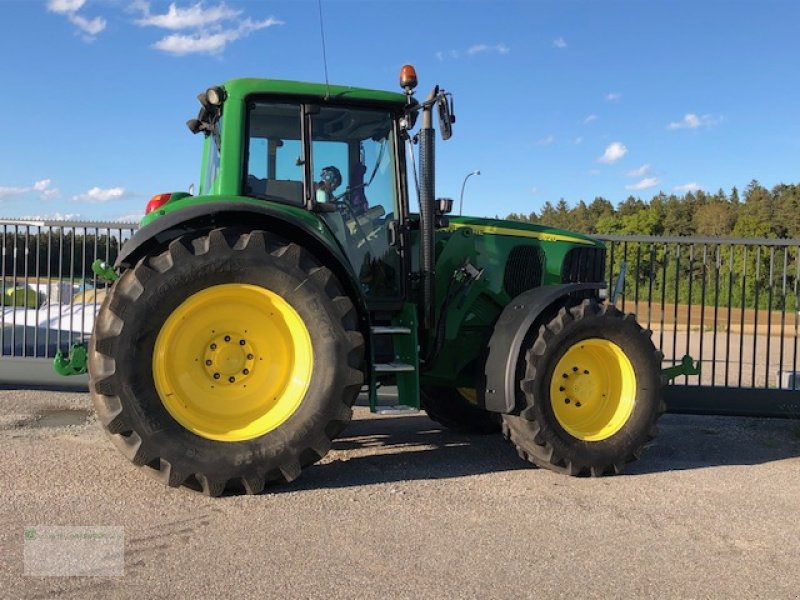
(444, 206)
(446, 116)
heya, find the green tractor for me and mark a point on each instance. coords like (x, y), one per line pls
(245, 320)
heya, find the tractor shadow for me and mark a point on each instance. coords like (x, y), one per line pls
(378, 450)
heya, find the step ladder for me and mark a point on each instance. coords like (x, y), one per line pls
(404, 366)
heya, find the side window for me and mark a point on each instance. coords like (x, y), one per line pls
(274, 153)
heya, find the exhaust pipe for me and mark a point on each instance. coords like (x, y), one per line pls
(427, 211)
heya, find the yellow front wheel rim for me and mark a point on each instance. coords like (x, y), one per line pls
(593, 389)
(232, 362)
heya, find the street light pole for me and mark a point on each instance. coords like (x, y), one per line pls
(461, 201)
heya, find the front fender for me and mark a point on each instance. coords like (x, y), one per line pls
(500, 370)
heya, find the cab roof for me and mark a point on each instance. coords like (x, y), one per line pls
(322, 92)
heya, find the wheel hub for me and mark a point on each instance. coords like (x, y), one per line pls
(593, 389)
(229, 358)
(232, 362)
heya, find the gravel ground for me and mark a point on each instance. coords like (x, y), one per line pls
(402, 509)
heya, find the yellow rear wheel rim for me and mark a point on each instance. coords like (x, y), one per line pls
(593, 390)
(232, 362)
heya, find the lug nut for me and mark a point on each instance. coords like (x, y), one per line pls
(575, 369)
(566, 400)
(249, 357)
(585, 372)
(565, 375)
(213, 346)
(241, 342)
(227, 338)
(578, 404)
(216, 375)
(232, 379)
(208, 362)
(246, 372)
(561, 389)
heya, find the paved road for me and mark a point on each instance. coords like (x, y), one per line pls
(401, 509)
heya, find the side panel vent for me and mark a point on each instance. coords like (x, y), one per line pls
(584, 265)
(523, 269)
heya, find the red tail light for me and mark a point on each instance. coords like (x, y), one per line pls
(156, 202)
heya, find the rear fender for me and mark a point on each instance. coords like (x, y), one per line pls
(500, 370)
(208, 215)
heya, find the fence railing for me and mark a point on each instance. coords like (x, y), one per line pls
(48, 292)
(730, 303)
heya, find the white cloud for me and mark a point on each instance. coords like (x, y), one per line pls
(559, 42)
(534, 190)
(578, 141)
(98, 195)
(10, 192)
(192, 17)
(210, 43)
(613, 96)
(70, 8)
(640, 172)
(485, 48)
(546, 141)
(687, 187)
(43, 188)
(644, 184)
(613, 153)
(692, 121)
(53, 217)
(589, 119)
(90, 28)
(63, 7)
(135, 218)
(440, 56)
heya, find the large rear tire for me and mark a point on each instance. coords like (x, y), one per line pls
(228, 360)
(591, 389)
(453, 408)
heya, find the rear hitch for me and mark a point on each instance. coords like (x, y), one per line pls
(74, 364)
(104, 271)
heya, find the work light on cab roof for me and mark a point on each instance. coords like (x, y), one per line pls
(408, 78)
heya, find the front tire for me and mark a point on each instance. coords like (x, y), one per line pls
(229, 360)
(591, 390)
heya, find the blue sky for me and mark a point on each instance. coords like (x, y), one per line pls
(554, 99)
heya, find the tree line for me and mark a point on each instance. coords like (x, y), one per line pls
(722, 273)
(59, 255)
(756, 213)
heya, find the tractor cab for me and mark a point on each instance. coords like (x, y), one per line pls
(340, 162)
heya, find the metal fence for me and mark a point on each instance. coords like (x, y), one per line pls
(732, 304)
(48, 293)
